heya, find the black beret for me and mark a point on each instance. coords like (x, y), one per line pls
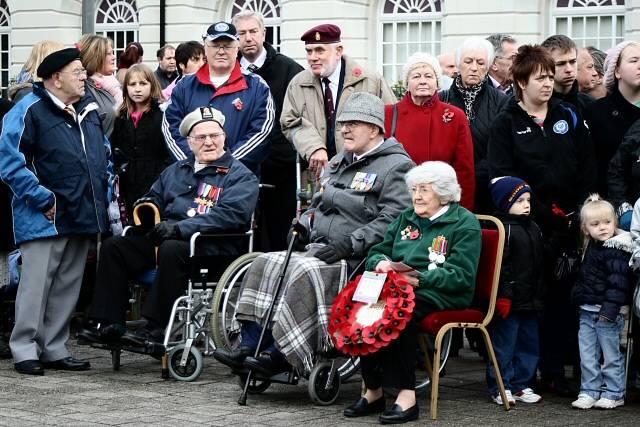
(56, 61)
(324, 33)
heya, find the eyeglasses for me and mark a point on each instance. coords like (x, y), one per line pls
(76, 73)
(201, 139)
(218, 47)
(349, 125)
(422, 190)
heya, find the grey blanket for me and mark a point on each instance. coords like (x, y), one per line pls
(301, 316)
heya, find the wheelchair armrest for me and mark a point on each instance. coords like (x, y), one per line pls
(200, 235)
(127, 230)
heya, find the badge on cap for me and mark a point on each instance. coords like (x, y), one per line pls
(221, 26)
(317, 36)
(205, 112)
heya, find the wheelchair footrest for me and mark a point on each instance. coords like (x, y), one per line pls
(289, 377)
(149, 348)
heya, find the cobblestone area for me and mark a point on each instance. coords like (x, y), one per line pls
(136, 395)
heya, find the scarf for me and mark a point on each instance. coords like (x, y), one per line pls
(469, 95)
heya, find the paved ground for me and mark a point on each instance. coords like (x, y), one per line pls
(136, 395)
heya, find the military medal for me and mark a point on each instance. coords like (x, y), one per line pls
(191, 212)
(437, 252)
(363, 181)
(206, 198)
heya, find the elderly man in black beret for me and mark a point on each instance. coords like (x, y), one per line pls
(55, 158)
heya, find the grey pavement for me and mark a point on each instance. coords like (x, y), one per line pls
(136, 395)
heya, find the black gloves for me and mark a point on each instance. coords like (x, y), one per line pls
(303, 235)
(163, 231)
(335, 251)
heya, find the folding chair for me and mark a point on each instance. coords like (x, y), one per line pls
(487, 280)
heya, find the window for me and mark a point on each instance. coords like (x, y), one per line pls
(407, 26)
(270, 10)
(118, 20)
(598, 23)
(5, 46)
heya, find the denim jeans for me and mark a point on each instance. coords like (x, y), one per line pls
(517, 348)
(598, 340)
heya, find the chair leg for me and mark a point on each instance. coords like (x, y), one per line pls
(424, 346)
(435, 378)
(494, 361)
(629, 348)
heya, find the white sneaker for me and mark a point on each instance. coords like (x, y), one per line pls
(584, 402)
(498, 399)
(527, 396)
(605, 403)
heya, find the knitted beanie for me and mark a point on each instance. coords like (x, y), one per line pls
(420, 58)
(611, 63)
(506, 190)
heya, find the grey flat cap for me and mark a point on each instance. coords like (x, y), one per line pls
(363, 107)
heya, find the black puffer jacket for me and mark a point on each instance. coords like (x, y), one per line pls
(141, 151)
(521, 277)
(623, 178)
(557, 161)
(609, 119)
(487, 105)
(605, 276)
(576, 98)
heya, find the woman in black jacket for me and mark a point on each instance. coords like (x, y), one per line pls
(544, 141)
(476, 96)
(137, 140)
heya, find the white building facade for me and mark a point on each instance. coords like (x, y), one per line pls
(378, 33)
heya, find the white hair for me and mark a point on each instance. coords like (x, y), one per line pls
(419, 59)
(440, 175)
(475, 43)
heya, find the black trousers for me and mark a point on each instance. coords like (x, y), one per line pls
(395, 366)
(123, 259)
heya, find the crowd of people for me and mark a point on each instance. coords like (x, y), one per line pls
(544, 136)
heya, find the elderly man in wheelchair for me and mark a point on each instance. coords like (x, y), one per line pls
(209, 191)
(361, 192)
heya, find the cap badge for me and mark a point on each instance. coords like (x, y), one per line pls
(206, 113)
(221, 26)
(317, 36)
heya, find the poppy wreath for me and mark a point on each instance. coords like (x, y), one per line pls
(394, 309)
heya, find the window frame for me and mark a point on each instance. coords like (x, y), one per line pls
(107, 28)
(273, 24)
(572, 12)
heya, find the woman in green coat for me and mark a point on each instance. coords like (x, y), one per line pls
(441, 240)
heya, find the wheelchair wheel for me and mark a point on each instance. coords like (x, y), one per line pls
(225, 327)
(422, 378)
(256, 386)
(193, 367)
(320, 392)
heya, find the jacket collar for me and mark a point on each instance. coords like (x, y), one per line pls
(236, 82)
(389, 146)
(570, 96)
(431, 104)
(450, 216)
(84, 102)
(352, 75)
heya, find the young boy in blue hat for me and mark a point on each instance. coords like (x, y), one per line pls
(514, 328)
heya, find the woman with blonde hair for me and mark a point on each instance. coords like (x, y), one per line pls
(98, 58)
(137, 141)
(27, 75)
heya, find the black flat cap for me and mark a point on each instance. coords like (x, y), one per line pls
(56, 61)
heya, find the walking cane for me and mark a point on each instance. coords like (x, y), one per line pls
(294, 234)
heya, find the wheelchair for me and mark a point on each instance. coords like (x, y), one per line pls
(330, 369)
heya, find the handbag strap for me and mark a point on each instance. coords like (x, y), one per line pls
(394, 120)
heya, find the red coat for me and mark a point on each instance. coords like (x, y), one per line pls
(425, 135)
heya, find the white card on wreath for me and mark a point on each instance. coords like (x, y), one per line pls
(369, 287)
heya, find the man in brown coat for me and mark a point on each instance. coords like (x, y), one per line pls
(316, 96)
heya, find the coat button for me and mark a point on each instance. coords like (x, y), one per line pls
(615, 113)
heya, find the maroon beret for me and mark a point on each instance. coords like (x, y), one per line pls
(323, 33)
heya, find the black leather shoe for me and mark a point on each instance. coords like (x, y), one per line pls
(362, 408)
(30, 367)
(396, 415)
(233, 358)
(267, 363)
(5, 351)
(109, 334)
(68, 364)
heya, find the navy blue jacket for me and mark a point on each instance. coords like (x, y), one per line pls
(176, 190)
(245, 101)
(43, 161)
(604, 279)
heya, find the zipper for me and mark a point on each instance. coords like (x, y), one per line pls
(93, 193)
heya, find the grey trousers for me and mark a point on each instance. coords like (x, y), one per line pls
(52, 271)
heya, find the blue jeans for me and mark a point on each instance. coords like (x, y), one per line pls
(601, 340)
(517, 348)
